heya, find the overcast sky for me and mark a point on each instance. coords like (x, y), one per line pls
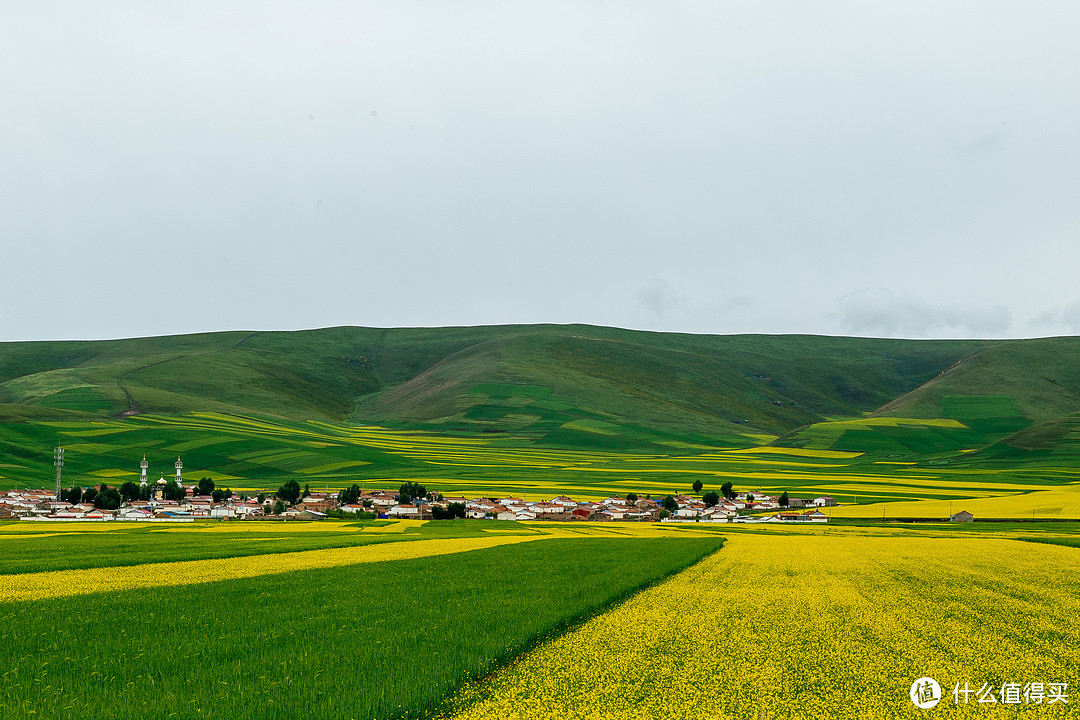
(897, 169)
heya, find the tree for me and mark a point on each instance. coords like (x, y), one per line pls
(749, 498)
(412, 490)
(350, 495)
(206, 486)
(174, 492)
(217, 495)
(451, 511)
(698, 485)
(89, 494)
(727, 490)
(289, 492)
(631, 498)
(664, 514)
(783, 499)
(129, 491)
(279, 507)
(710, 498)
(261, 497)
(307, 490)
(670, 504)
(145, 492)
(107, 499)
(72, 495)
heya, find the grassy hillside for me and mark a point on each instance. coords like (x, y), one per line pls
(532, 380)
(572, 408)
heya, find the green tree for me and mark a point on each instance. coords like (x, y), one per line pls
(289, 492)
(670, 504)
(107, 499)
(451, 511)
(279, 507)
(206, 486)
(217, 495)
(698, 485)
(749, 498)
(664, 514)
(145, 492)
(412, 490)
(89, 494)
(727, 490)
(710, 498)
(307, 490)
(783, 499)
(129, 491)
(350, 495)
(631, 498)
(72, 495)
(261, 497)
(174, 492)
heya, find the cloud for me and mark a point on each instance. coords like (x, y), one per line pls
(877, 311)
(658, 300)
(1065, 318)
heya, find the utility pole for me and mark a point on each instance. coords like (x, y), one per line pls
(58, 461)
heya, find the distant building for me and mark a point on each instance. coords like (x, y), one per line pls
(962, 516)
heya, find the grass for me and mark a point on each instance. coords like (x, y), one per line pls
(379, 640)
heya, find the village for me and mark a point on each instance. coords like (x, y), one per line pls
(177, 500)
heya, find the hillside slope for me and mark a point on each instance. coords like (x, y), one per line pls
(532, 379)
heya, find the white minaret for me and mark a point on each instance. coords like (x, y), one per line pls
(179, 472)
(143, 465)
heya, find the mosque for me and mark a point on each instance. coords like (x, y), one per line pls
(159, 489)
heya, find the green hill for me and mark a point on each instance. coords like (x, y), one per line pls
(571, 404)
(521, 379)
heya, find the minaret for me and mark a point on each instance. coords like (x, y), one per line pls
(179, 472)
(143, 465)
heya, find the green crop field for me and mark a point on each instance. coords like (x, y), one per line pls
(371, 640)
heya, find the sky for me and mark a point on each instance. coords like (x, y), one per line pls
(845, 168)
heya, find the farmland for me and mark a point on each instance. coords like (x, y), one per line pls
(251, 454)
(814, 624)
(472, 619)
(475, 619)
(382, 630)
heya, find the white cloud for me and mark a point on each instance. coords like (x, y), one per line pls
(878, 311)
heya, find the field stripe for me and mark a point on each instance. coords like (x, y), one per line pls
(63, 583)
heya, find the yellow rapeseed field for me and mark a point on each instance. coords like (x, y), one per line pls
(821, 625)
(1058, 502)
(60, 583)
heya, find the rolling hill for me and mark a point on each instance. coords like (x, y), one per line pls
(572, 388)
